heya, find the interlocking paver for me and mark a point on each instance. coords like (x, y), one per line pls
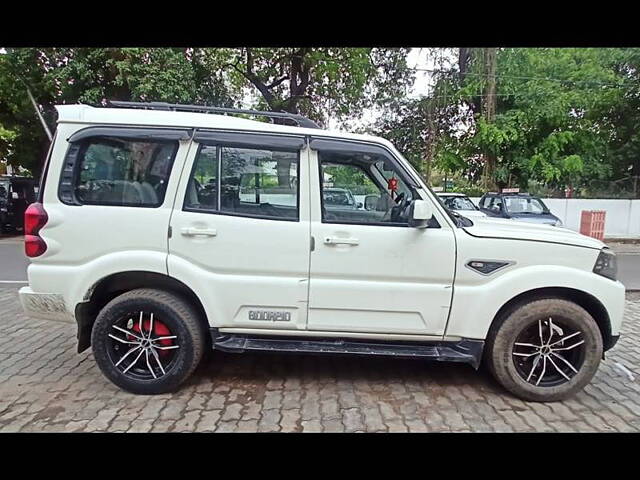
(46, 386)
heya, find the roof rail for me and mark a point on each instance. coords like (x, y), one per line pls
(177, 107)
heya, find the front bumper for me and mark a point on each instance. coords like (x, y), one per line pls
(47, 306)
(613, 339)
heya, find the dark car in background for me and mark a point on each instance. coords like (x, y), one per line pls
(518, 206)
(16, 193)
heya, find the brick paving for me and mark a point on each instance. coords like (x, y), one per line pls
(46, 386)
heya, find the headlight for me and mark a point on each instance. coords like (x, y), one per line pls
(606, 265)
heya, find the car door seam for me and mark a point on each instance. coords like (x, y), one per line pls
(175, 198)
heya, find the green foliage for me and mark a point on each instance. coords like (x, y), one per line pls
(564, 117)
(94, 75)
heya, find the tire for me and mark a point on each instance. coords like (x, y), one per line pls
(161, 366)
(513, 362)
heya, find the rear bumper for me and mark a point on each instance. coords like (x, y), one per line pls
(47, 306)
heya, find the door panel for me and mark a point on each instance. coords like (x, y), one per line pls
(238, 240)
(376, 278)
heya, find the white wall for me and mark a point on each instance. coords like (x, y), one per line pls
(622, 219)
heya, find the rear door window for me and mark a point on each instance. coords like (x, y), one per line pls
(256, 182)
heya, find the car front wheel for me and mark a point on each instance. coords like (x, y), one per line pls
(147, 341)
(545, 350)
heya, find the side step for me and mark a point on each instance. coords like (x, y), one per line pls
(465, 350)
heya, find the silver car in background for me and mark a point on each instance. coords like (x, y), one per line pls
(460, 203)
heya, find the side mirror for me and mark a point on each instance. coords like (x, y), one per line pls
(371, 202)
(359, 205)
(420, 212)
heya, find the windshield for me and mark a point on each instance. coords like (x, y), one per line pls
(458, 203)
(525, 205)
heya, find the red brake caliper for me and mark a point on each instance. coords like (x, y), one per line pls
(159, 329)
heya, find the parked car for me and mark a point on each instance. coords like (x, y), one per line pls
(339, 199)
(16, 193)
(459, 202)
(518, 206)
(155, 269)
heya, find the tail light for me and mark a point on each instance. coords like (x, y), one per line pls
(35, 218)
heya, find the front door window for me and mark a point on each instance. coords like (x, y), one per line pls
(362, 189)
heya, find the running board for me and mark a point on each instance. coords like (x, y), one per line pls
(464, 351)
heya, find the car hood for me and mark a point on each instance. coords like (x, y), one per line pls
(545, 218)
(501, 228)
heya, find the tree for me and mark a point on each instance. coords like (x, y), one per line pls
(322, 81)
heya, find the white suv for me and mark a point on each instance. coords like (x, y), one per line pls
(164, 231)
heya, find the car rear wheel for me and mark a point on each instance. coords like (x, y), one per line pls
(148, 341)
(545, 350)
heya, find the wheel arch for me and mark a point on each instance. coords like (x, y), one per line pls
(587, 301)
(111, 286)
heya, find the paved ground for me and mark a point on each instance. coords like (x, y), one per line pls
(46, 386)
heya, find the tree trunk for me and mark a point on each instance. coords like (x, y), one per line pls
(489, 113)
(430, 148)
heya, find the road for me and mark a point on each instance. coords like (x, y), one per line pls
(629, 270)
(13, 263)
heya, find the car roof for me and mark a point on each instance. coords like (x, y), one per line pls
(87, 114)
(451, 194)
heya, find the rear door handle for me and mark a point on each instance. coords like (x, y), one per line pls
(341, 241)
(190, 231)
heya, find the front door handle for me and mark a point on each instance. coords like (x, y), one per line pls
(340, 241)
(207, 232)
